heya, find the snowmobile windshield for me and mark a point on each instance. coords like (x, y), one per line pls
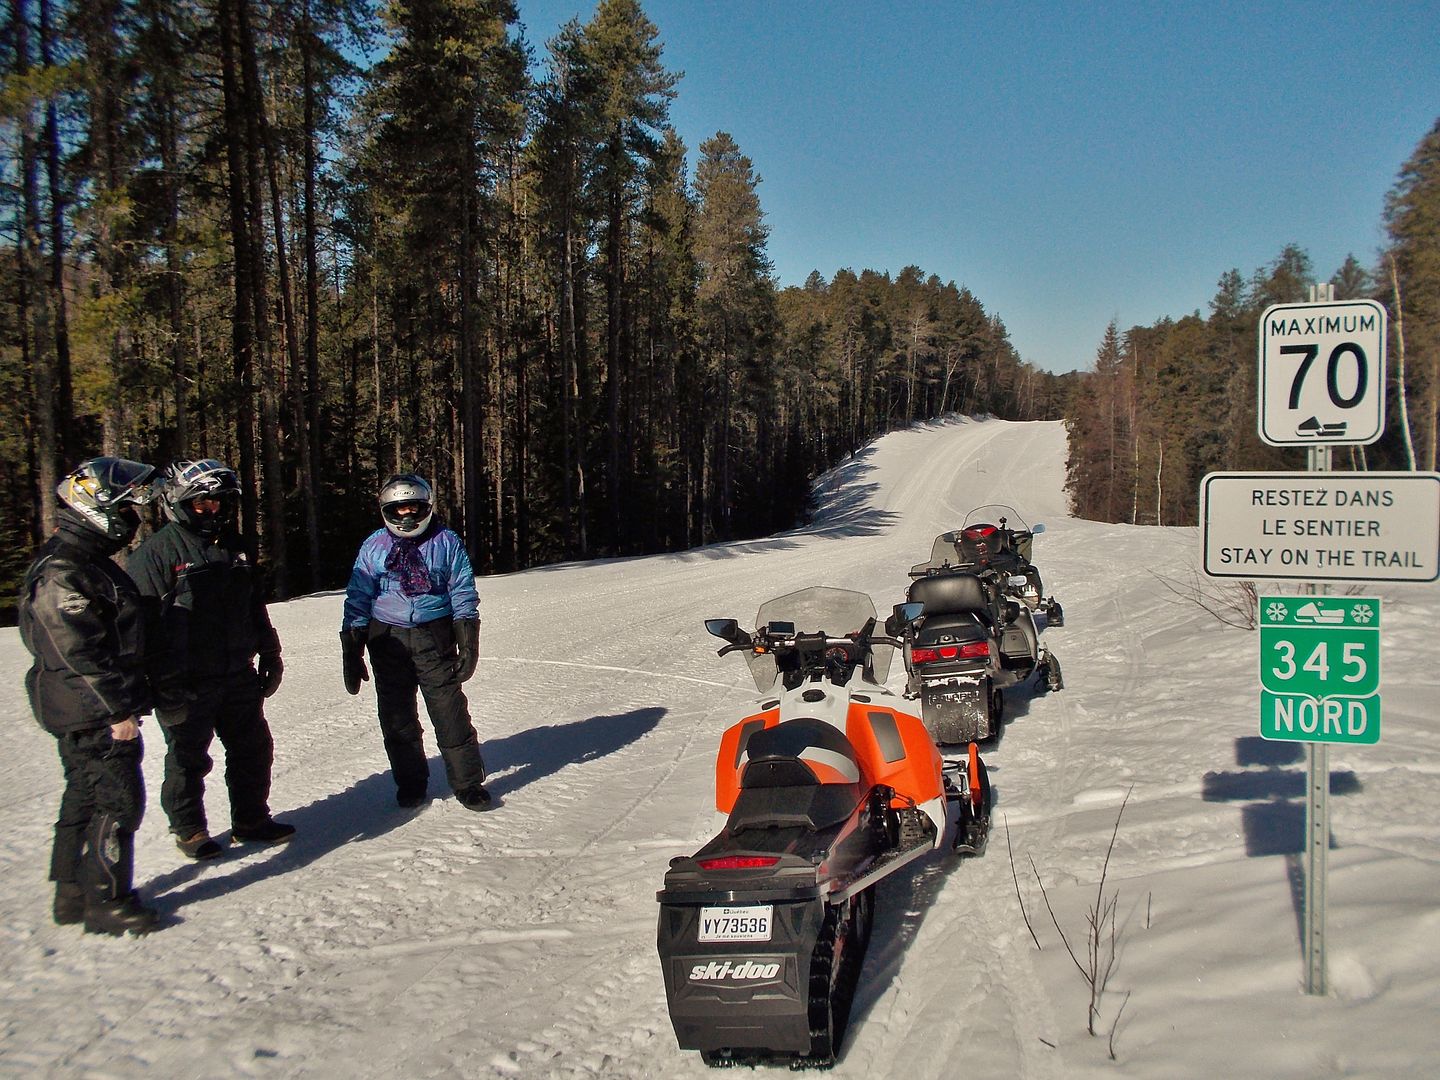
(945, 551)
(991, 513)
(833, 612)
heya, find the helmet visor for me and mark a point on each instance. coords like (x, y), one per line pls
(119, 481)
(208, 477)
(405, 513)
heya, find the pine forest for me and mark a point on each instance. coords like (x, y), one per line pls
(329, 240)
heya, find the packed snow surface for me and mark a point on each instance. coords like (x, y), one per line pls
(521, 943)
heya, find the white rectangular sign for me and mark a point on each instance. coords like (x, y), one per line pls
(1322, 373)
(1358, 526)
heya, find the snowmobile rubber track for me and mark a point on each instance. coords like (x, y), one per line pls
(832, 988)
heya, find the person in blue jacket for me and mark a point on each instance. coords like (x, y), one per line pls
(411, 603)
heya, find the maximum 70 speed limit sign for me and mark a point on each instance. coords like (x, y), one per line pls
(1322, 373)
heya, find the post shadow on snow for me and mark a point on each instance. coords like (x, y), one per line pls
(543, 751)
(1273, 817)
(363, 811)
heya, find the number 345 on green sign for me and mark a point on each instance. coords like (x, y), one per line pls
(1318, 656)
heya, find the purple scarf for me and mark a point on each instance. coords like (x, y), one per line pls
(405, 562)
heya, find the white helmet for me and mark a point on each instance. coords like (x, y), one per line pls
(407, 504)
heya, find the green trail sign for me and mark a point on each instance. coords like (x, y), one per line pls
(1320, 669)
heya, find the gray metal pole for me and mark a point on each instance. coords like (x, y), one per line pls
(1317, 828)
(1317, 846)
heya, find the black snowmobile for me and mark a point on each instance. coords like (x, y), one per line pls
(996, 537)
(828, 786)
(975, 640)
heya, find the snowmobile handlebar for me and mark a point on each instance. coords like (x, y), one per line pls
(783, 639)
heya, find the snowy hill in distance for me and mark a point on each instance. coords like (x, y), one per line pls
(521, 943)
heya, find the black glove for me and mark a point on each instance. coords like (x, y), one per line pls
(271, 668)
(352, 654)
(467, 645)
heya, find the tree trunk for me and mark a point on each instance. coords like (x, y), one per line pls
(63, 389)
(37, 343)
(1400, 368)
(241, 321)
(273, 479)
(315, 490)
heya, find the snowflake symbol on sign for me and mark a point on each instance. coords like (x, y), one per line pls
(1276, 612)
(1362, 613)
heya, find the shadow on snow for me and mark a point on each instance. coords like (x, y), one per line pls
(1273, 817)
(366, 809)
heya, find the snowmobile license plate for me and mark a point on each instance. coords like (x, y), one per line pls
(748, 923)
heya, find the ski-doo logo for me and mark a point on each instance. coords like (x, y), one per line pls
(729, 971)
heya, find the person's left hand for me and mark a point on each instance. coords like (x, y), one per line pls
(467, 647)
(271, 668)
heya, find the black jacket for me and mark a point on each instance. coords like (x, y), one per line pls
(83, 620)
(211, 619)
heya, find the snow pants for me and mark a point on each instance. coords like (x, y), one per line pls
(410, 658)
(103, 804)
(231, 707)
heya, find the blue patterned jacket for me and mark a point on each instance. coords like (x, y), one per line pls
(375, 593)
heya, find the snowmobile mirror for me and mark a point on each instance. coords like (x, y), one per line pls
(1036, 530)
(903, 615)
(724, 629)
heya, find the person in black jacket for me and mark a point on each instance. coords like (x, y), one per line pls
(211, 625)
(82, 619)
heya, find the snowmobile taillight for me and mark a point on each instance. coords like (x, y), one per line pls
(971, 650)
(739, 862)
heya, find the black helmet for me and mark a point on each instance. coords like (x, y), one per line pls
(104, 491)
(186, 481)
(407, 504)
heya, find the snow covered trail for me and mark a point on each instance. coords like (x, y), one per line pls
(439, 943)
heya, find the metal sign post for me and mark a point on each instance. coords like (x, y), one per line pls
(1317, 823)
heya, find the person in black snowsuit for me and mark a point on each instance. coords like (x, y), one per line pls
(411, 601)
(211, 626)
(83, 620)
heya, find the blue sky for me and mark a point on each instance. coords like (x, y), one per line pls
(1069, 163)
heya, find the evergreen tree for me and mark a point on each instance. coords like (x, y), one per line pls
(1412, 219)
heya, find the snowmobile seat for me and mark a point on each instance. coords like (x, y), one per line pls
(802, 773)
(951, 594)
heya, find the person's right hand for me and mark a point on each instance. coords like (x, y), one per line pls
(125, 730)
(352, 658)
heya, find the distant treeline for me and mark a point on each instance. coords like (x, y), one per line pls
(222, 236)
(1165, 404)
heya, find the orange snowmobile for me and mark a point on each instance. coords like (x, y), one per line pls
(828, 787)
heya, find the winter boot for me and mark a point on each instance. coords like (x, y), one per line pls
(409, 798)
(69, 903)
(474, 798)
(199, 846)
(268, 831)
(117, 917)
